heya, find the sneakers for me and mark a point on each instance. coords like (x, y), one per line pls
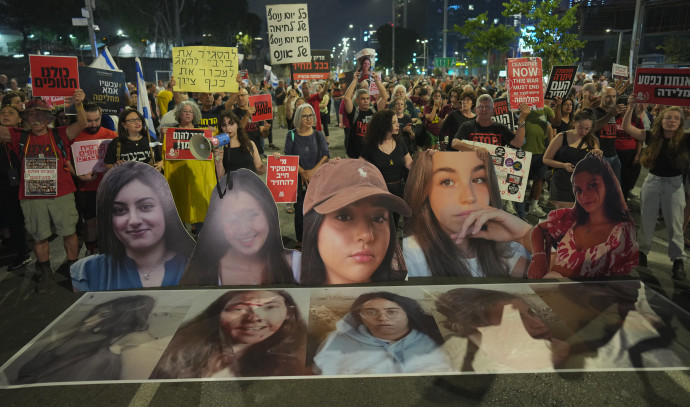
(535, 210)
(290, 208)
(678, 270)
(19, 262)
(510, 208)
(642, 259)
(46, 278)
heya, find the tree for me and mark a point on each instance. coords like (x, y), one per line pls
(550, 40)
(676, 49)
(405, 46)
(484, 38)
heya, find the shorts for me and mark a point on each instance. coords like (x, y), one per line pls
(86, 204)
(537, 169)
(39, 214)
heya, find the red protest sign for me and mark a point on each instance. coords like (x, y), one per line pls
(281, 177)
(54, 101)
(664, 86)
(54, 76)
(318, 68)
(176, 143)
(263, 106)
(524, 82)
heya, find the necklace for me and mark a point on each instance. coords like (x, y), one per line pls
(387, 146)
(147, 276)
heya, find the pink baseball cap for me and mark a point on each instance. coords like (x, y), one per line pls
(339, 183)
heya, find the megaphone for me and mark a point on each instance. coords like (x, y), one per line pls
(201, 147)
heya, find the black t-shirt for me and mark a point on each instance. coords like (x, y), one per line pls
(358, 129)
(210, 117)
(252, 129)
(452, 124)
(663, 166)
(607, 135)
(132, 151)
(497, 134)
(404, 121)
(235, 158)
(391, 165)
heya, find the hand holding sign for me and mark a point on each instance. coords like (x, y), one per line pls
(263, 107)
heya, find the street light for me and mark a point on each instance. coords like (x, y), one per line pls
(620, 41)
(424, 42)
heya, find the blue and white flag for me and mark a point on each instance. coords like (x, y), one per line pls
(143, 105)
(105, 61)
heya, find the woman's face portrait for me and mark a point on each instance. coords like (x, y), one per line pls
(251, 317)
(535, 327)
(399, 106)
(17, 102)
(400, 93)
(583, 127)
(133, 123)
(353, 241)
(589, 190)
(459, 186)
(9, 117)
(671, 120)
(366, 64)
(395, 126)
(244, 223)
(466, 104)
(138, 217)
(567, 106)
(186, 115)
(228, 126)
(384, 319)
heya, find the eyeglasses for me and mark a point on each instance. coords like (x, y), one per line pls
(374, 313)
(308, 116)
(131, 121)
(480, 107)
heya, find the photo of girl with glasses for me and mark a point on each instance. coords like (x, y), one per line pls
(133, 143)
(382, 333)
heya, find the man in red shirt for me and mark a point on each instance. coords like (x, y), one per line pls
(87, 183)
(46, 189)
(314, 99)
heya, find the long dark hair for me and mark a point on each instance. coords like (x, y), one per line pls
(615, 208)
(443, 257)
(127, 314)
(313, 270)
(241, 134)
(380, 124)
(200, 348)
(416, 316)
(176, 237)
(202, 268)
(589, 139)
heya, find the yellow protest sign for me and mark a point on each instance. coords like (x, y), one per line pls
(205, 69)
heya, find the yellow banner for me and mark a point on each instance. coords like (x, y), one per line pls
(205, 69)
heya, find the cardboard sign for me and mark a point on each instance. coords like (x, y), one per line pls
(524, 82)
(288, 33)
(281, 177)
(89, 155)
(205, 69)
(176, 143)
(54, 76)
(104, 87)
(560, 81)
(512, 170)
(318, 68)
(40, 176)
(263, 106)
(619, 71)
(663, 86)
(54, 101)
(502, 113)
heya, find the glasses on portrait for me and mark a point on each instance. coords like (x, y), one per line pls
(132, 121)
(374, 313)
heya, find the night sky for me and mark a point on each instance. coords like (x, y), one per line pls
(329, 20)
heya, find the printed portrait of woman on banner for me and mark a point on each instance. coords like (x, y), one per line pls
(383, 333)
(365, 63)
(496, 331)
(458, 226)
(594, 238)
(241, 243)
(349, 230)
(93, 348)
(241, 334)
(141, 238)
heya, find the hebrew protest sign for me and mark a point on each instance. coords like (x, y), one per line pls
(560, 81)
(281, 177)
(89, 155)
(288, 33)
(54, 75)
(318, 68)
(263, 106)
(104, 87)
(502, 113)
(663, 86)
(176, 143)
(619, 71)
(205, 69)
(524, 82)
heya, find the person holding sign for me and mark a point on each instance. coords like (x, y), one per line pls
(349, 230)
(240, 152)
(666, 157)
(241, 334)
(458, 227)
(596, 237)
(563, 115)
(360, 115)
(46, 188)
(241, 243)
(141, 239)
(133, 143)
(483, 129)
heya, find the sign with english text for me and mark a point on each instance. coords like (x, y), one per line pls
(524, 82)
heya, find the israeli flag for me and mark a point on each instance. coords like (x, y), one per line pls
(143, 105)
(105, 61)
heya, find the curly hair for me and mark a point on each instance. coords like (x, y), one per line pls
(381, 124)
(196, 112)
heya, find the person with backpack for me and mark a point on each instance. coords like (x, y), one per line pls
(46, 187)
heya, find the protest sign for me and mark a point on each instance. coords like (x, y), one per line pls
(263, 106)
(560, 81)
(288, 33)
(89, 155)
(54, 76)
(104, 87)
(176, 143)
(663, 86)
(54, 101)
(318, 68)
(512, 170)
(502, 113)
(40, 176)
(205, 69)
(281, 177)
(524, 82)
(619, 71)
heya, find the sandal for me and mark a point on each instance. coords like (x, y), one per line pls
(290, 209)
